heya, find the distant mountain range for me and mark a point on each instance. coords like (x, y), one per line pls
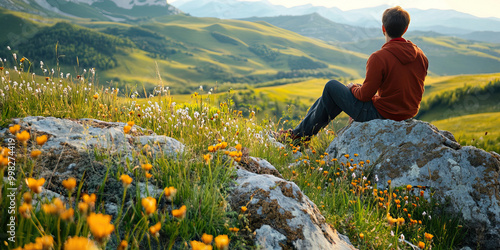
(448, 22)
(316, 26)
(104, 10)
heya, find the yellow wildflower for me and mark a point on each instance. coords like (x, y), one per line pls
(100, 225)
(196, 245)
(126, 180)
(40, 140)
(126, 129)
(69, 184)
(361, 235)
(408, 187)
(207, 158)
(25, 210)
(401, 221)
(27, 197)
(149, 204)
(222, 242)
(131, 123)
(68, 214)
(170, 193)
(95, 96)
(79, 243)
(49, 208)
(35, 153)
(180, 213)
(83, 207)
(428, 236)
(35, 185)
(238, 147)
(89, 199)
(59, 205)
(147, 166)
(33, 246)
(14, 129)
(243, 209)
(123, 245)
(207, 238)
(24, 136)
(46, 241)
(148, 175)
(154, 230)
(234, 229)
(421, 245)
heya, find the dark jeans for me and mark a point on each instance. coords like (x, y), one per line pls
(336, 98)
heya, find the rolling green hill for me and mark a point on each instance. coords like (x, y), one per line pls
(479, 130)
(316, 26)
(102, 10)
(453, 96)
(447, 55)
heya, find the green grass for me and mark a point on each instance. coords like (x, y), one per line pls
(447, 55)
(479, 130)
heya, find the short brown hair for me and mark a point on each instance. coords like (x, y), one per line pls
(395, 21)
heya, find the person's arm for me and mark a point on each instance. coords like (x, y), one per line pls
(373, 80)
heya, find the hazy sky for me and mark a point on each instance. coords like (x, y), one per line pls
(481, 8)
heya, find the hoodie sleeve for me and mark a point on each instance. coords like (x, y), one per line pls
(374, 78)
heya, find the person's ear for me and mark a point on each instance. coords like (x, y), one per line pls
(383, 29)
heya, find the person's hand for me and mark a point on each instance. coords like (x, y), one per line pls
(350, 85)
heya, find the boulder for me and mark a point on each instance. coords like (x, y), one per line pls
(281, 216)
(87, 134)
(417, 153)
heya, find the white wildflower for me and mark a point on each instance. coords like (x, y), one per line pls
(8, 47)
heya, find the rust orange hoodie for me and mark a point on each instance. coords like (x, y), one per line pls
(397, 72)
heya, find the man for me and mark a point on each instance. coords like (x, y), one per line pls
(393, 86)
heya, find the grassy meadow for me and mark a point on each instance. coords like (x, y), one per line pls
(196, 184)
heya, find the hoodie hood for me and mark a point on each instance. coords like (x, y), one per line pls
(405, 51)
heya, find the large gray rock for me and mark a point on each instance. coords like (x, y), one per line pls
(86, 134)
(417, 153)
(281, 215)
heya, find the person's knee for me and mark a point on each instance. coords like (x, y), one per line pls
(333, 86)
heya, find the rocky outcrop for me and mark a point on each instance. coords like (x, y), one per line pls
(417, 153)
(280, 214)
(89, 134)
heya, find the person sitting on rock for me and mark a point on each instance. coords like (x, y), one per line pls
(393, 86)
